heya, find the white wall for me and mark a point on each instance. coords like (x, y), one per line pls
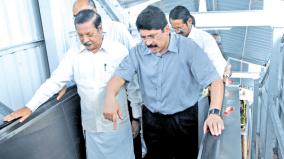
(23, 62)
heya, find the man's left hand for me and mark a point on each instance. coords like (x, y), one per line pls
(215, 124)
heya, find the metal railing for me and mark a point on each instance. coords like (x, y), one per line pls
(267, 131)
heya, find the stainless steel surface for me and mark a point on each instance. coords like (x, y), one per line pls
(20, 22)
(57, 22)
(230, 142)
(268, 140)
(228, 145)
(23, 62)
(22, 72)
(53, 131)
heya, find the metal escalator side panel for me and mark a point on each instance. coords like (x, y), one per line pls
(203, 107)
(4, 110)
(54, 131)
(209, 147)
(228, 144)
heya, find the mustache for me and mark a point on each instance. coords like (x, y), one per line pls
(87, 44)
(151, 46)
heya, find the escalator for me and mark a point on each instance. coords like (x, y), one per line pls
(4, 110)
(227, 145)
(53, 131)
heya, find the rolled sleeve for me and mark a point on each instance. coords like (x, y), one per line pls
(126, 68)
(136, 111)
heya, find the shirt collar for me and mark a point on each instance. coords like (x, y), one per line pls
(192, 32)
(106, 45)
(82, 48)
(172, 45)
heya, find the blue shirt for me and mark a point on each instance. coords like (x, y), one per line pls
(169, 82)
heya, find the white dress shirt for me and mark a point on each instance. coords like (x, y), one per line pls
(209, 45)
(117, 32)
(91, 72)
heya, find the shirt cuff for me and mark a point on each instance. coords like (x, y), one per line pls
(211, 79)
(32, 105)
(125, 76)
(136, 111)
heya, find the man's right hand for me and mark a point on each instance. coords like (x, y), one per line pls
(112, 110)
(22, 113)
(61, 93)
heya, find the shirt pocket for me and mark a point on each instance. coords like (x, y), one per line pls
(109, 71)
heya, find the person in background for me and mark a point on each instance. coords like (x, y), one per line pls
(90, 67)
(193, 20)
(181, 21)
(217, 38)
(172, 71)
(228, 68)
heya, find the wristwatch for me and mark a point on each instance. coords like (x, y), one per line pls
(214, 111)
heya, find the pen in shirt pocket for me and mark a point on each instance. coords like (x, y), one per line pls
(105, 67)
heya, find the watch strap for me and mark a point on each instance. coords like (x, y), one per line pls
(214, 111)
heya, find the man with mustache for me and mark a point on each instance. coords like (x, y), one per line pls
(90, 67)
(117, 32)
(172, 71)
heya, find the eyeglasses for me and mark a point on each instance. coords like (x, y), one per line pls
(177, 30)
(151, 37)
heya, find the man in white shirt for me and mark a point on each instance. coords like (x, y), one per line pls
(118, 32)
(90, 67)
(181, 21)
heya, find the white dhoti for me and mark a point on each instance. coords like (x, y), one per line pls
(110, 145)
